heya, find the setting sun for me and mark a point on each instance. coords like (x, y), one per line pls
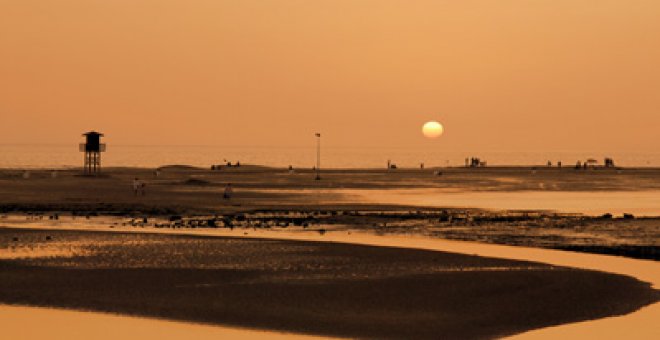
(432, 129)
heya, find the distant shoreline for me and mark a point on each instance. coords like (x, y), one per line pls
(539, 167)
(304, 156)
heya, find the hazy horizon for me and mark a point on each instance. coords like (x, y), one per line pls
(507, 75)
(301, 157)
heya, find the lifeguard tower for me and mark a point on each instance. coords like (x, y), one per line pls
(92, 149)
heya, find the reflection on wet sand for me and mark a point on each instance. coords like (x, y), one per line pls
(19, 322)
(642, 203)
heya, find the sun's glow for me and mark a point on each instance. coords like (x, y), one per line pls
(432, 129)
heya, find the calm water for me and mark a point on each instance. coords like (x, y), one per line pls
(63, 156)
(639, 203)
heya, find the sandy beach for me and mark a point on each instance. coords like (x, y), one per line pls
(182, 252)
(647, 272)
(182, 189)
(392, 292)
(495, 205)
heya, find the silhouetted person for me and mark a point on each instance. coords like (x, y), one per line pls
(136, 186)
(228, 192)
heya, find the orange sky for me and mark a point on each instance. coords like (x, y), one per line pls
(544, 75)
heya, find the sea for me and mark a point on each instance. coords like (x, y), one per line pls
(68, 156)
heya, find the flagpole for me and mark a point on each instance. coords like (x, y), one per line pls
(318, 156)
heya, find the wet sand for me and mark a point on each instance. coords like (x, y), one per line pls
(181, 189)
(311, 287)
(464, 204)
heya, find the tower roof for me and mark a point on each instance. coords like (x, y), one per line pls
(92, 133)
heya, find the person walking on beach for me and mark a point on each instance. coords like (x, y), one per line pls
(228, 192)
(136, 186)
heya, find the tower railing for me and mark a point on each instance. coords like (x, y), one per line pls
(84, 147)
